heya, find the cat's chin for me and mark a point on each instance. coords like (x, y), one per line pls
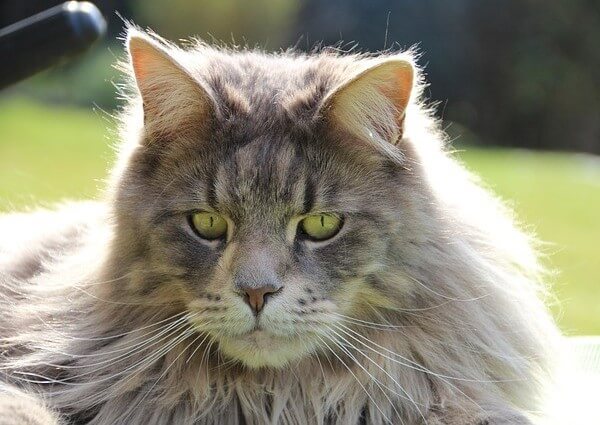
(259, 349)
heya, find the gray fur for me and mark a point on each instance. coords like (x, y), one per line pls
(427, 308)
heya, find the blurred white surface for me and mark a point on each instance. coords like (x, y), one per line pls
(576, 400)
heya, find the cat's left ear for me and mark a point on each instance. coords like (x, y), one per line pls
(373, 103)
(173, 100)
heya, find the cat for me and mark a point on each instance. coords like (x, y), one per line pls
(285, 239)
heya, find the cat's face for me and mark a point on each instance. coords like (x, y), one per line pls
(267, 231)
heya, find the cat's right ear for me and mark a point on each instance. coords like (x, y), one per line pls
(174, 101)
(372, 103)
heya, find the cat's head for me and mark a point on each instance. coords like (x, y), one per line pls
(265, 193)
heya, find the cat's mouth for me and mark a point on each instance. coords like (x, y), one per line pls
(260, 347)
(260, 334)
(258, 328)
(261, 338)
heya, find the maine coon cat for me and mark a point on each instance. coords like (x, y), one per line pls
(284, 239)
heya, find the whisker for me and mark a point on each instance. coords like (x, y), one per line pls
(206, 353)
(166, 329)
(366, 323)
(355, 377)
(66, 381)
(98, 396)
(416, 366)
(185, 335)
(114, 336)
(406, 396)
(316, 357)
(377, 382)
(418, 282)
(144, 363)
(197, 348)
(89, 294)
(228, 363)
(129, 350)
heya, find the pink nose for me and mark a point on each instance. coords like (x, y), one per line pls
(256, 296)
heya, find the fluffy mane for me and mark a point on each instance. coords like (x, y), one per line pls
(466, 316)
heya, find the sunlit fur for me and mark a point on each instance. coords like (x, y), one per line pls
(426, 308)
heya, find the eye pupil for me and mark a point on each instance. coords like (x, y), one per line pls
(320, 227)
(209, 226)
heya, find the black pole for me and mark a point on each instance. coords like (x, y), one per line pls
(42, 40)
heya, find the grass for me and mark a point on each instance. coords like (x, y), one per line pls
(557, 196)
(49, 153)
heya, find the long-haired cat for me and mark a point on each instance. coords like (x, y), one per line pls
(284, 240)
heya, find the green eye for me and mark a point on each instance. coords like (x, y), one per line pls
(209, 225)
(320, 227)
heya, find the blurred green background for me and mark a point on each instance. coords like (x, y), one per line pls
(525, 114)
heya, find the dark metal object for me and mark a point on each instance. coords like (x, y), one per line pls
(45, 39)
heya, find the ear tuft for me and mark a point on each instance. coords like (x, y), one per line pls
(373, 103)
(143, 52)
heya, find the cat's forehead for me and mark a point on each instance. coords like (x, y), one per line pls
(270, 174)
(265, 183)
